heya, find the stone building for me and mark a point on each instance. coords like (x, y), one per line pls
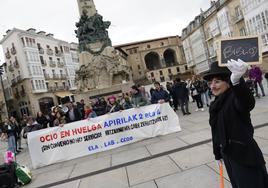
(224, 18)
(40, 69)
(159, 59)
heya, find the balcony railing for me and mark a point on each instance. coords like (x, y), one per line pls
(55, 76)
(60, 64)
(13, 50)
(52, 63)
(238, 18)
(7, 54)
(16, 64)
(19, 79)
(49, 51)
(13, 82)
(47, 77)
(43, 63)
(41, 51)
(58, 53)
(10, 68)
(58, 88)
(63, 76)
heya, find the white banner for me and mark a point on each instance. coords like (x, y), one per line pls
(102, 133)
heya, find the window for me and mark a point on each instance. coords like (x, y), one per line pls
(42, 60)
(162, 43)
(178, 69)
(22, 40)
(152, 74)
(139, 67)
(169, 71)
(162, 78)
(186, 67)
(148, 46)
(50, 58)
(47, 85)
(161, 72)
(140, 73)
(48, 46)
(56, 84)
(242, 31)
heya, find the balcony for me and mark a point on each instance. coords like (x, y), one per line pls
(13, 50)
(52, 63)
(55, 77)
(47, 77)
(49, 51)
(7, 54)
(13, 82)
(58, 53)
(238, 18)
(22, 93)
(63, 76)
(11, 68)
(41, 50)
(17, 95)
(60, 64)
(16, 64)
(43, 63)
(19, 79)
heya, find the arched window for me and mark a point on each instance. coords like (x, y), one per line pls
(170, 57)
(152, 61)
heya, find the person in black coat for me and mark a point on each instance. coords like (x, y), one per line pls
(231, 127)
(182, 95)
(159, 95)
(41, 119)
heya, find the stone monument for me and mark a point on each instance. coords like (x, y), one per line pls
(101, 66)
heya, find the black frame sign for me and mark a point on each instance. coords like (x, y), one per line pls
(244, 48)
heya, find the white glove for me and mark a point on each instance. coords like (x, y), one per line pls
(238, 69)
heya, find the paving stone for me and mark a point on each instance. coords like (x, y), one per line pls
(262, 132)
(200, 177)
(73, 184)
(197, 136)
(165, 145)
(130, 155)
(47, 169)
(79, 160)
(214, 165)
(175, 135)
(112, 179)
(149, 184)
(91, 166)
(152, 169)
(193, 157)
(50, 177)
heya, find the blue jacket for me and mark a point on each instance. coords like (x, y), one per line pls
(159, 94)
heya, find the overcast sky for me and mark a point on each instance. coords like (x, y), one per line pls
(131, 20)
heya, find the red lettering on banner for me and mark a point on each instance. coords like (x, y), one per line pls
(66, 133)
(86, 129)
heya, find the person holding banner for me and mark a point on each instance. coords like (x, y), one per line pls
(231, 127)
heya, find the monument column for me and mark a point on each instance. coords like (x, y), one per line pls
(88, 6)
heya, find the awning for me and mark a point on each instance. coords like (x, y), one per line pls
(62, 94)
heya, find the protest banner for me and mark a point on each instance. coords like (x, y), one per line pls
(244, 48)
(102, 133)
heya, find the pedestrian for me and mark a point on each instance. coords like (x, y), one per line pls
(232, 131)
(137, 99)
(113, 105)
(18, 130)
(89, 112)
(182, 96)
(196, 88)
(10, 131)
(159, 95)
(73, 114)
(42, 119)
(255, 73)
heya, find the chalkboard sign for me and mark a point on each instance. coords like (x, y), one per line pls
(246, 49)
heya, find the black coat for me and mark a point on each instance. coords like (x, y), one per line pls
(180, 91)
(232, 131)
(77, 115)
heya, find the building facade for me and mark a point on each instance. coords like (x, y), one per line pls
(224, 19)
(159, 59)
(39, 70)
(255, 13)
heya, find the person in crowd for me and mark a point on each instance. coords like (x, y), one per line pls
(89, 112)
(23, 121)
(137, 99)
(204, 92)
(232, 130)
(60, 119)
(10, 131)
(32, 125)
(100, 106)
(113, 105)
(182, 95)
(41, 119)
(159, 95)
(143, 92)
(81, 107)
(18, 130)
(255, 73)
(72, 114)
(195, 88)
(170, 88)
(124, 101)
(52, 115)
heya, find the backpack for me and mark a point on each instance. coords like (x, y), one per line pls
(8, 178)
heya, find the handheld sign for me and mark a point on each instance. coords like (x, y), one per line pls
(244, 48)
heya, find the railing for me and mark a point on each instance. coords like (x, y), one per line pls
(52, 63)
(7, 54)
(47, 77)
(238, 18)
(16, 64)
(13, 82)
(49, 51)
(43, 63)
(60, 64)
(13, 50)
(55, 76)
(10, 68)
(41, 51)
(58, 53)
(63, 76)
